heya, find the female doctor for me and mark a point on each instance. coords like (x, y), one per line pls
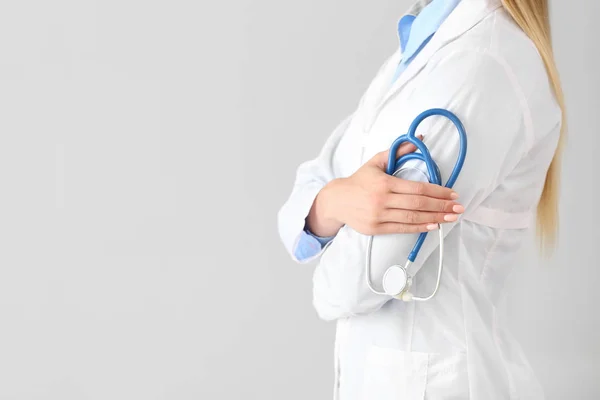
(489, 62)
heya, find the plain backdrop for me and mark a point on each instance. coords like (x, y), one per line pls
(145, 148)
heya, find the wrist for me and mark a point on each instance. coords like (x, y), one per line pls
(323, 219)
(327, 201)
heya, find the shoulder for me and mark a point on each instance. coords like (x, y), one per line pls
(496, 41)
(498, 57)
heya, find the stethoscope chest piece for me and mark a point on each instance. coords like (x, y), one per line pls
(396, 281)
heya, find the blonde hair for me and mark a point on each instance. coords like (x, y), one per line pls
(534, 19)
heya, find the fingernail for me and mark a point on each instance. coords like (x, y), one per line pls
(454, 195)
(451, 218)
(432, 227)
(458, 209)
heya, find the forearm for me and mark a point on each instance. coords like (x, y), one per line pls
(495, 126)
(311, 177)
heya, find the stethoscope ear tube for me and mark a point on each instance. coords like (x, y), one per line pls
(400, 289)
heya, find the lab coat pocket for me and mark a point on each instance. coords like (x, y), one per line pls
(409, 375)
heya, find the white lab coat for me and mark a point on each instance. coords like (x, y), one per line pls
(483, 68)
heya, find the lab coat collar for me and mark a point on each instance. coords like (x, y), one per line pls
(413, 32)
(466, 15)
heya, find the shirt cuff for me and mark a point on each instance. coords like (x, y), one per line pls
(323, 240)
(309, 245)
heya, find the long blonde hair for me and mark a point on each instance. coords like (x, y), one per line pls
(534, 19)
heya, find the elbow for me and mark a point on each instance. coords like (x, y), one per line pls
(351, 306)
(348, 301)
(339, 282)
(332, 303)
(328, 310)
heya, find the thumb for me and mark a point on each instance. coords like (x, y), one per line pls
(380, 159)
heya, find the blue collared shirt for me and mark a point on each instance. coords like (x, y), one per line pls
(414, 32)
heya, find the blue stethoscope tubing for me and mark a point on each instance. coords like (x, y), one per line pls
(397, 272)
(424, 155)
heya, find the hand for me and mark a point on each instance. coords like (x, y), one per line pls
(373, 202)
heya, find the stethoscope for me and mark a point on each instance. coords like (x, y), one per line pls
(396, 280)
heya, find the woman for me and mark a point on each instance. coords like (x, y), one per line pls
(490, 62)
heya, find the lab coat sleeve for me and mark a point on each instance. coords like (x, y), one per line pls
(311, 177)
(482, 91)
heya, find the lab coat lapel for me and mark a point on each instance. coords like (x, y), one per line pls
(467, 14)
(381, 84)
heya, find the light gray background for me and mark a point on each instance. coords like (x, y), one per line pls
(146, 147)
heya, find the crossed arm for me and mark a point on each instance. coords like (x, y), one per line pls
(480, 92)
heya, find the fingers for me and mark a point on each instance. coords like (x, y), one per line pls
(417, 217)
(403, 186)
(379, 159)
(394, 227)
(422, 203)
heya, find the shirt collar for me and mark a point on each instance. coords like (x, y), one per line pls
(415, 30)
